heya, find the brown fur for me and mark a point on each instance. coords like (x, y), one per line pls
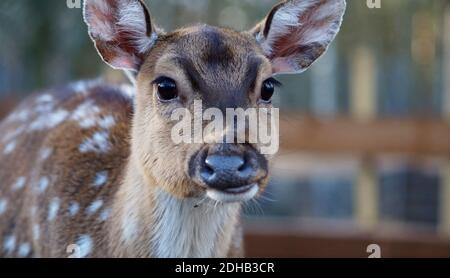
(72, 173)
(61, 156)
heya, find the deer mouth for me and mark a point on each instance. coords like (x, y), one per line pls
(229, 173)
(233, 195)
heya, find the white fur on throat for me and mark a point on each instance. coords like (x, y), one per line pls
(185, 230)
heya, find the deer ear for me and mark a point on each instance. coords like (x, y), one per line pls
(297, 32)
(121, 30)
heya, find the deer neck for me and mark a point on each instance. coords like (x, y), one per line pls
(150, 222)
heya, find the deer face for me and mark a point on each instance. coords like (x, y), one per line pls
(222, 68)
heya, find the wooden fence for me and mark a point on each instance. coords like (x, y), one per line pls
(367, 139)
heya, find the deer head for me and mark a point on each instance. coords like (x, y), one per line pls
(221, 67)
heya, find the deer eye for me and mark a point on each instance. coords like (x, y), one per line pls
(167, 88)
(268, 89)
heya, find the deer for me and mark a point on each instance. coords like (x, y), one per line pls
(90, 167)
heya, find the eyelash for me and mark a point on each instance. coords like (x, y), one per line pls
(158, 80)
(275, 82)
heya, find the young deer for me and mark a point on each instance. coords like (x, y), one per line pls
(92, 166)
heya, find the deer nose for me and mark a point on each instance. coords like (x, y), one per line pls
(227, 172)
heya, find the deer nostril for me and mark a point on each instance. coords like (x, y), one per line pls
(245, 165)
(208, 169)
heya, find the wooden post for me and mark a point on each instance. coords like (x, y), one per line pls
(364, 108)
(323, 86)
(445, 185)
(446, 63)
(363, 85)
(366, 197)
(445, 200)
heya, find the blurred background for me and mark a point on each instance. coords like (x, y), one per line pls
(365, 137)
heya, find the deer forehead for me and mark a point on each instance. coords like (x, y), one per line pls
(220, 64)
(208, 53)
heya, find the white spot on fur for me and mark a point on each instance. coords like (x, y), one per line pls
(9, 148)
(19, 184)
(100, 179)
(104, 215)
(24, 250)
(106, 122)
(78, 87)
(86, 114)
(44, 98)
(43, 184)
(3, 206)
(44, 107)
(98, 143)
(21, 116)
(45, 153)
(87, 123)
(33, 211)
(187, 231)
(85, 244)
(12, 135)
(94, 207)
(83, 86)
(53, 208)
(128, 91)
(9, 244)
(74, 207)
(36, 232)
(49, 120)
